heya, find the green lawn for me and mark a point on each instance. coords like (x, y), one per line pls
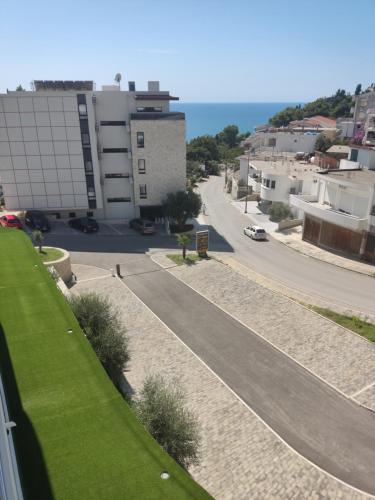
(191, 258)
(353, 323)
(50, 254)
(76, 438)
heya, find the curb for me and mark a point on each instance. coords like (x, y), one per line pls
(371, 275)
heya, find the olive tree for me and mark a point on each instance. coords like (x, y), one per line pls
(107, 336)
(182, 206)
(279, 211)
(161, 407)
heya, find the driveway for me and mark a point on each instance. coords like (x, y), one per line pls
(317, 421)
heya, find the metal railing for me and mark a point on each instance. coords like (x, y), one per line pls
(10, 486)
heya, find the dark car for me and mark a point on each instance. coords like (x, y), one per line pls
(85, 224)
(143, 226)
(37, 220)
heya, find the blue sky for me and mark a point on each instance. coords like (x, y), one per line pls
(201, 50)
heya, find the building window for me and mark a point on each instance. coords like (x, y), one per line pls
(82, 109)
(90, 186)
(88, 166)
(118, 200)
(142, 191)
(92, 204)
(86, 139)
(149, 109)
(140, 139)
(273, 184)
(115, 150)
(116, 176)
(112, 124)
(267, 183)
(72, 215)
(141, 166)
(90, 214)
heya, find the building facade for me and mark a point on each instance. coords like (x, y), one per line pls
(69, 150)
(339, 212)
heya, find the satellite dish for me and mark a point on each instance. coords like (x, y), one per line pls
(118, 78)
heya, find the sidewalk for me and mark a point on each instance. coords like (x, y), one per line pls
(256, 216)
(293, 239)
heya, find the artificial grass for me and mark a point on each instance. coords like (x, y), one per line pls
(49, 254)
(191, 258)
(76, 438)
(353, 323)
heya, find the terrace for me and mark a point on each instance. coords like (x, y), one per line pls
(75, 437)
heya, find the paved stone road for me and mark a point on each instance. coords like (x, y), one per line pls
(241, 457)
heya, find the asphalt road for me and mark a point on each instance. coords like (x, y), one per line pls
(277, 261)
(321, 424)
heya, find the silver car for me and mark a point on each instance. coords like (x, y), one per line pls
(255, 232)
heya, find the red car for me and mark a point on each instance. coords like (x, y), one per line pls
(10, 221)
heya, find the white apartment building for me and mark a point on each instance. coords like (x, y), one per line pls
(70, 150)
(339, 212)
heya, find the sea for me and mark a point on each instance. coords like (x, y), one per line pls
(210, 118)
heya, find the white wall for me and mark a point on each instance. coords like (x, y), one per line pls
(281, 191)
(288, 142)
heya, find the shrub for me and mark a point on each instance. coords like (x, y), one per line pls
(107, 336)
(161, 409)
(182, 206)
(279, 211)
(38, 238)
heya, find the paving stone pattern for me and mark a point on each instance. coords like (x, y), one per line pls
(340, 357)
(241, 458)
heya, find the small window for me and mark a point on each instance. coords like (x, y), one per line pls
(142, 191)
(140, 139)
(273, 184)
(116, 176)
(267, 183)
(82, 109)
(118, 200)
(88, 166)
(141, 166)
(72, 215)
(85, 139)
(92, 204)
(107, 123)
(115, 150)
(90, 214)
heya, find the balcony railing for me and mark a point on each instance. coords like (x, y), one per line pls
(309, 204)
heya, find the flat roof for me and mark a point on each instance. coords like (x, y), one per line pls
(287, 166)
(361, 177)
(337, 148)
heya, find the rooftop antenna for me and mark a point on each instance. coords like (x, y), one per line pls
(118, 78)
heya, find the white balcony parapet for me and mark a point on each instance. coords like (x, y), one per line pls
(309, 204)
(10, 486)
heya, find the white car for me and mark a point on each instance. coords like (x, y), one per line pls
(255, 232)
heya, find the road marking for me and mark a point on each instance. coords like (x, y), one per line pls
(362, 390)
(241, 400)
(96, 278)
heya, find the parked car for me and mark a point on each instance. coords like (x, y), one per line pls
(85, 224)
(143, 226)
(37, 220)
(10, 221)
(255, 232)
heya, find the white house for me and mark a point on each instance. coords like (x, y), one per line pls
(339, 212)
(68, 149)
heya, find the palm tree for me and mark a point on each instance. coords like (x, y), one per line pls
(183, 240)
(38, 238)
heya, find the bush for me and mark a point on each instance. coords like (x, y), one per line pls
(278, 211)
(161, 409)
(107, 336)
(182, 206)
(175, 228)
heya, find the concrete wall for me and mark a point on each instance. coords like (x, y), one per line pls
(281, 191)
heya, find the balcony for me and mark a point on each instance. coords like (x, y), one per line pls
(309, 204)
(151, 115)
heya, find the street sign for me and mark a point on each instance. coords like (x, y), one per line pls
(202, 243)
